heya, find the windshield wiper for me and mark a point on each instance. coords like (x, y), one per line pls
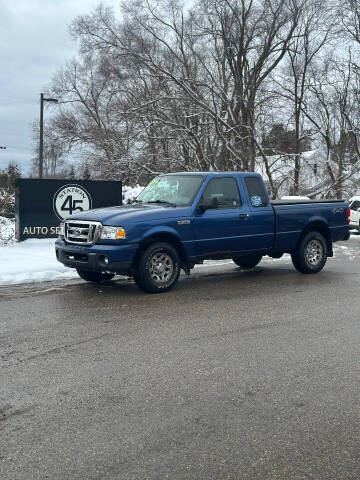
(136, 201)
(162, 201)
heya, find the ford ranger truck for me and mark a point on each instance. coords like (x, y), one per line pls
(181, 219)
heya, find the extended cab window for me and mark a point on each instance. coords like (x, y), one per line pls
(256, 192)
(223, 191)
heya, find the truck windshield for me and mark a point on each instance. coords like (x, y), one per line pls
(175, 190)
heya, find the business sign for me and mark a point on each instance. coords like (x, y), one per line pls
(42, 204)
(70, 199)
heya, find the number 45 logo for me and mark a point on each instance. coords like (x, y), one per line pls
(71, 199)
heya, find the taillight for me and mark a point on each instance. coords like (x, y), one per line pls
(348, 216)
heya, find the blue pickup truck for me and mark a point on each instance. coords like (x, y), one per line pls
(181, 219)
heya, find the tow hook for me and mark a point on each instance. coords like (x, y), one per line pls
(186, 269)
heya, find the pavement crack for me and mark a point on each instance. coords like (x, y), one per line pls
(225, 333)
(8, 411)
(59, 348)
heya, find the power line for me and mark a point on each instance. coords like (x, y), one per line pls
(4, 98)
(16, 148)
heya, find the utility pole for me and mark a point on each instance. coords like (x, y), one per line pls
(41, 149)
(41, 146)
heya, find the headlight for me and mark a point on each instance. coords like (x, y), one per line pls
(113, 233)
(62, 229)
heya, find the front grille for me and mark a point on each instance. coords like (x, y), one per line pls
(82, 233)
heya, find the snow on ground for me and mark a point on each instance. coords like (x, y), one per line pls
(31, 261)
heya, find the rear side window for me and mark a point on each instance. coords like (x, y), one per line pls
(225, 191)
(355, 205)
(256, 192)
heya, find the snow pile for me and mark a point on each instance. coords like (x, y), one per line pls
(130, 193)
(31, 261)
(7, 230)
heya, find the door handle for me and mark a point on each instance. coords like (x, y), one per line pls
(244, 216)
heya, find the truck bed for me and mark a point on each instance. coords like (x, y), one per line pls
(292, 216)
(297, 202)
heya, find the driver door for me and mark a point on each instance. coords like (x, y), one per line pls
(218, 230)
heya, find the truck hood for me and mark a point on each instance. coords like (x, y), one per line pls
(116, 216)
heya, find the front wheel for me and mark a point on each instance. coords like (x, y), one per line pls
(158, 268)
(311, 254)
(249, 262)
(95, 277)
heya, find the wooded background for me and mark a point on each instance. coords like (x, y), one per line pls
(265, 85)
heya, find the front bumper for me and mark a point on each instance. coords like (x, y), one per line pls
(93, 258)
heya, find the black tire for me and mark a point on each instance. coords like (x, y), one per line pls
(247, 263)
(158, 268)
(311, 253)
(95, 277)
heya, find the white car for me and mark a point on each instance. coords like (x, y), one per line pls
(354, 204)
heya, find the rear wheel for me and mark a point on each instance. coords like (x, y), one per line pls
(95, 277)
(158, 268)
(311, 253)
(247, 262)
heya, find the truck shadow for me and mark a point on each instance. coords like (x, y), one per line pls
(213, 282)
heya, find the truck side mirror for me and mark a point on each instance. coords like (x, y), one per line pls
(208, 204)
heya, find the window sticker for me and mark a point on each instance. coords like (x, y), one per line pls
(256, 201)
(155, 181)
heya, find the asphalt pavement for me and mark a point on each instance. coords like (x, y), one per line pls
(232, 375)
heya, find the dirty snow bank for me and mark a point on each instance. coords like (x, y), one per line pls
(31, 261)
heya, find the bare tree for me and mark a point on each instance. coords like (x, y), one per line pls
(333, 111)
(313, 33)
(216, 58)
(169, 88)
(54, 155)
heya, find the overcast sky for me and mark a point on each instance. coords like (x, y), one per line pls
(34, 44)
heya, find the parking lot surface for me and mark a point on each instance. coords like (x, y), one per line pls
(232, 375)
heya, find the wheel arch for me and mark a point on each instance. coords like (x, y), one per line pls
(162, 236)
(318, 225)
